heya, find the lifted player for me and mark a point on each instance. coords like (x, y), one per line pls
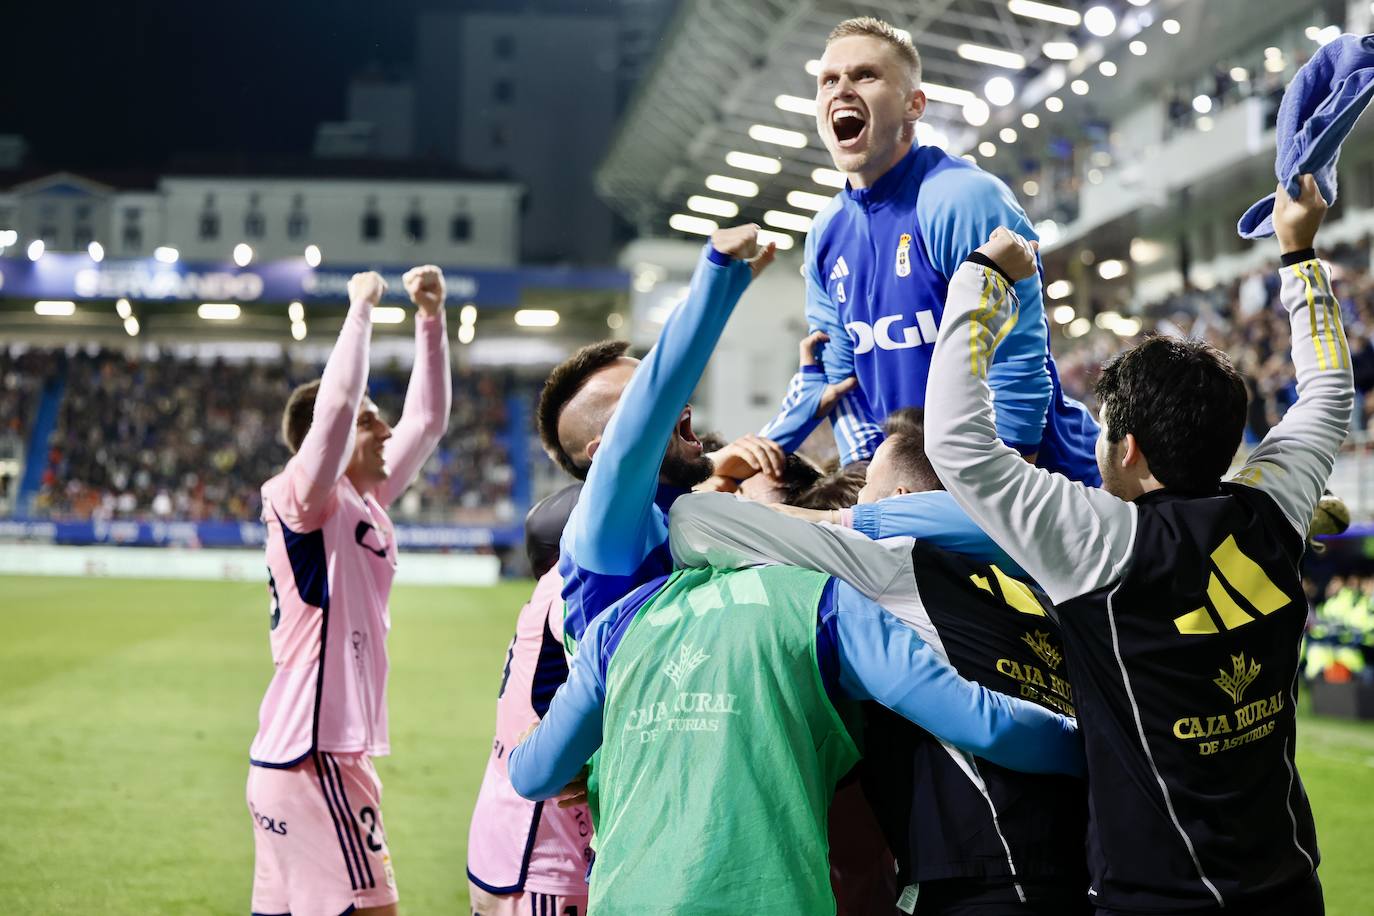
(320, 848)
(881, 255)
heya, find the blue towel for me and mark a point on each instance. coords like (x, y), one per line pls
(1319, 108)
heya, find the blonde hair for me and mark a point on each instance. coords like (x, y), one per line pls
(871, 27)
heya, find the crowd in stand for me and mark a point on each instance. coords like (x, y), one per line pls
(1244, 319)
(168, 436)
(23, 375)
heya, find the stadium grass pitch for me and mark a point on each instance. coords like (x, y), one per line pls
(127, 707)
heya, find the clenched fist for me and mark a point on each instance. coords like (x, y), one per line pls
(832, 393)
(1296, 220)
(366, 287)
(425, 286)
(1011, 252)
(742, 243)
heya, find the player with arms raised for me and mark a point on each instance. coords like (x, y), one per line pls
(331, 556)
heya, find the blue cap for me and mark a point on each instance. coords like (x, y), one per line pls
(1319, 109)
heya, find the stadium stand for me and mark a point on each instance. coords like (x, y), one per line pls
(1244, 319)
(25, 375)
(163, 436)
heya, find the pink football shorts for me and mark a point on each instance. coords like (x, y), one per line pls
(320, 848)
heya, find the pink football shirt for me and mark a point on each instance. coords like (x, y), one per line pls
(331, 556)
(515, 844)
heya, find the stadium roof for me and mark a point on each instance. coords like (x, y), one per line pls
(725, 68)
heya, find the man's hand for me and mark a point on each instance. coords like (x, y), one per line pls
(1296, 221)
(742, 243)
(749, 455)
(1011, 252)
(807, 515)
(425, 286)
(832, 394)
(575, 792)
(366, 287)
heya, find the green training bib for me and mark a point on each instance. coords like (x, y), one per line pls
(721, 751)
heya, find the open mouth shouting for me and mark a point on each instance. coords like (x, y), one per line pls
(848, 125)
(684, 431)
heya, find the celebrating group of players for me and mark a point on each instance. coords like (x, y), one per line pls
(1001, 663)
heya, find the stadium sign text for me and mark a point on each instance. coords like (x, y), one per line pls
(63, 275)
(138, 282)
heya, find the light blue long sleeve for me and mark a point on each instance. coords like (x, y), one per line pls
(617, 536)
(933, 517)
(957, 211)
(882, 659)
(796, 419)
(570, 732)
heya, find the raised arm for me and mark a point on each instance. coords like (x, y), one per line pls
(883, 660)
(570, 732)
(614, 528)
(716, 529)
(931, 516)
(958, 210)
(1295, 459)
(429, 396)
(325, 451)
(1070, 538)
(857, 433)
(809, 399)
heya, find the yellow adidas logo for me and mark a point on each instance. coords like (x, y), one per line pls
(1014, 592)
(1246, 579)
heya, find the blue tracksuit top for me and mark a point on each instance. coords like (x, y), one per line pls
(877, 267)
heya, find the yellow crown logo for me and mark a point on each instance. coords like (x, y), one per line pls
(1040, 644)
(1241, 677)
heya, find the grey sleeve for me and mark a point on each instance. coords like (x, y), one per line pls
(716, 529)
(1293, 462)
(1070, 538)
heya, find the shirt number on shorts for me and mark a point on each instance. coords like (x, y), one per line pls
(369, 818)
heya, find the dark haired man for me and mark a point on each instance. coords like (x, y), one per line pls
(626, 428)
(1179, 595)
(880, 258)
(331, 556)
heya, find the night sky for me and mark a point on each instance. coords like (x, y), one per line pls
(132, 83)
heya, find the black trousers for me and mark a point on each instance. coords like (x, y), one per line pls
(977, 897)
(1305, 900)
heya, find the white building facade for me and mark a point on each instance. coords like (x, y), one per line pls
(350, 220)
